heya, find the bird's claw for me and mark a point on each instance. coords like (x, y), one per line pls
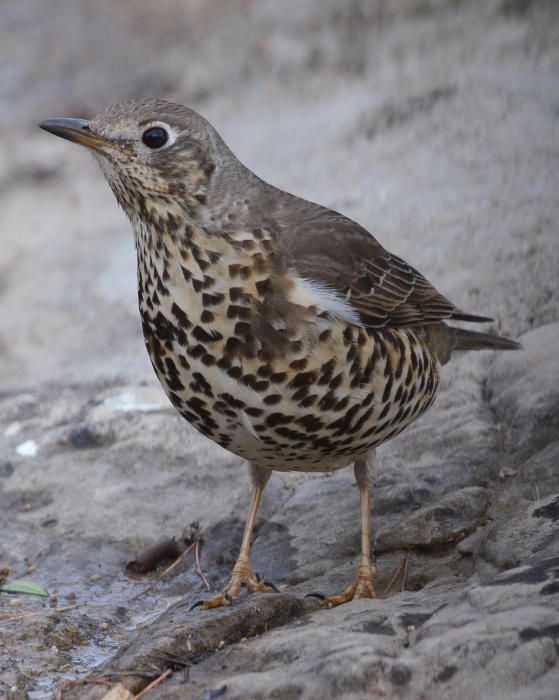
(362, 587)
(242, 576)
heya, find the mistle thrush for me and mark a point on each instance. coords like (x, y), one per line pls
(278, 328)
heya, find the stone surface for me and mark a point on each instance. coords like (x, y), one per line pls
(434, 124)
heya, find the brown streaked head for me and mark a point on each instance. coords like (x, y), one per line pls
(149, 150)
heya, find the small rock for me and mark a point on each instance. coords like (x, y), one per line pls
(442, 523)
(400, 674)
(86, 435)
(6, 469)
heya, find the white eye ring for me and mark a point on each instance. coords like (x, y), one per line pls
(158, 135)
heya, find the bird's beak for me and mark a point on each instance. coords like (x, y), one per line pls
(76, 130)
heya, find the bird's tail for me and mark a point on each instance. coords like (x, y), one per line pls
(444, 340)
(473, 340)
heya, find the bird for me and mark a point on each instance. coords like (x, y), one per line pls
(280, 329)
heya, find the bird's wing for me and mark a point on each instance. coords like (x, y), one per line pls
(333, 253)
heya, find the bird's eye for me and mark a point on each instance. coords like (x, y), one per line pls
(155, 137)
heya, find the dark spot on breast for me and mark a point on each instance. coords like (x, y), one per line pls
(212, 298)
(384, 411)
(208, 360)
(180, 315)
(311, 423)
(264, 287)
(201, 385)
(387, 389)
(235, 311)
(328, 401)
(232, 344)
(253, 411)
(348, 335)
(290, 433)
(298, 364)
(308, 401)
(303, 379)
(197, 285)
(278, 419)
(336, 381)
(301, 393)
(204, 336)
(232, 401)
(196, 351)
(242, 329)
(236, 293)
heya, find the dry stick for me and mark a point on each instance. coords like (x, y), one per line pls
(164, 572)
(394, 577)
(31, 613)
(160, 679)
(199, 568)
(88, 681)
(405, 574)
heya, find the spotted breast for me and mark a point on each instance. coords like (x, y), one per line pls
(255, 359)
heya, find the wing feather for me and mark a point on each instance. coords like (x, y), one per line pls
(327, 248)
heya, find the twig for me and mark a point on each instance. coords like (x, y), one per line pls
(405, 574)
(160, 679)
(87, 681)
(79, 684)
(406, 570)
(199, 568)
(32, 613)
(394, 578)
(164, 572)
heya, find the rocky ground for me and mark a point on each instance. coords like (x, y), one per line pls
(434, 124)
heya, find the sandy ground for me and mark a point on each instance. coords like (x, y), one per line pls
(436, 126)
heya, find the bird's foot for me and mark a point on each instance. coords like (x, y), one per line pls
(362, 587)
(242, 575)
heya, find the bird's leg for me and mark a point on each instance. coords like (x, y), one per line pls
(362, 586)
(242, 574)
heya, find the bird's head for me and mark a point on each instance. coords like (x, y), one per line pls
(158, 157)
